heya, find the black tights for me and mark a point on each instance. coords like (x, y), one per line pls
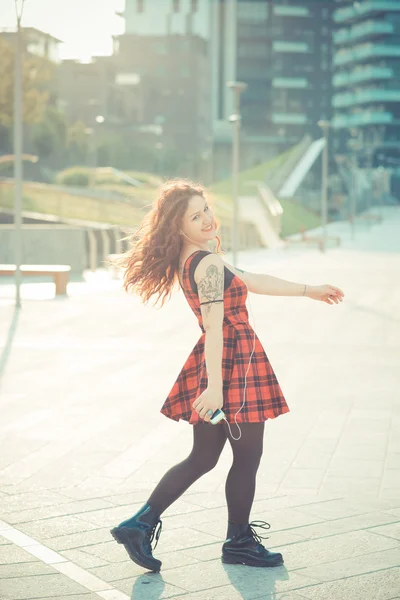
(208, 443)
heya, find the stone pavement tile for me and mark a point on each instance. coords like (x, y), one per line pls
(37, 499)
(361, 451)
(392, 460)
(381, 504)
(87, 596)
(24, 569)
(331, 509)
(149, 587)
(390, 493)
(79, 540)
(275, 538)
(11, 553)
(49, 586)
(110, 516)
(57, 510)
(250, 582)
(307, 457)
(382, 585)
(354, 523)
(303, 478)
(321, 550)
(128, 568)
(391, 531)
(367, 563)
(391, 479)
(183, 538)
(108, 551)
(350, 467)
(205, 553)
(393, 511)
(227, 592)
(352, 487)
(55, 527)
(129, 498)
(276, 511)
(84, 559)
(94, 487)
(289, 596)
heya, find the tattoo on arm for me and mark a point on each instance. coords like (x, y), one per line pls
(210, 287)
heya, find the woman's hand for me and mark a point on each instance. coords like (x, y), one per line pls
(326, 293)
(210, 399)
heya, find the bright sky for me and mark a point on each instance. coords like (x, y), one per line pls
(85, 26)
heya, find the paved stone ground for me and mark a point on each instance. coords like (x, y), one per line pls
(83, 442)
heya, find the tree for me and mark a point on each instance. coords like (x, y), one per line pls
(36, 73)
(50, 134)
(78, 143)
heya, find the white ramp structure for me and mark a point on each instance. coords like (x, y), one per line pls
(298, 174)
(264, 211)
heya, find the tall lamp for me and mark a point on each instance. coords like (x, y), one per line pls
(237, 88)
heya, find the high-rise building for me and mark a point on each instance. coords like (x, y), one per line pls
(367, 80)
(173, 72)
(35, 42)
(281, 49)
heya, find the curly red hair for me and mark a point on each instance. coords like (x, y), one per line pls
(151, 266)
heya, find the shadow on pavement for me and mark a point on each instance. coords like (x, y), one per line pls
(9, 341)
(253, 582)
(250, 582)
(149, 586)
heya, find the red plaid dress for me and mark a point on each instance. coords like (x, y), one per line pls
(264, 397)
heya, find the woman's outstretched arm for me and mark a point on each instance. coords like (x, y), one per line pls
(260, 283)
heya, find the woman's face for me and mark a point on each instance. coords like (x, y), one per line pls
(198, 221)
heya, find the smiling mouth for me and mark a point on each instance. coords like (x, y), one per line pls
(208, 228)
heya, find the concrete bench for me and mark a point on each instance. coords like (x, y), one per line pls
(60, 274)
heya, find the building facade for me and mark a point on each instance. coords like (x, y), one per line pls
(281, 49)
(35, 42)
(172, 75)
(366, 81)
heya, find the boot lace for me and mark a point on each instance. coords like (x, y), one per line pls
(262, 525)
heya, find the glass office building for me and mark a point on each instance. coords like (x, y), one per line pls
(366, 80)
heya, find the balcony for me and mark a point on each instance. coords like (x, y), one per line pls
(289, 118)
(297, 47)
(360, 75)
(365, 52)
(291, 11)
(290, 82)
(359, 11)
(365, 96)
(362, 118)
(362, 30)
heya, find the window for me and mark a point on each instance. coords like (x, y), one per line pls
(252, 12)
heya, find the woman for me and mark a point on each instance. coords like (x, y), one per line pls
(227, 369)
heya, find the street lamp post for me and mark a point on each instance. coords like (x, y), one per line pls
(324, 199)
(18, 152)
(99, 119)
(237, 88)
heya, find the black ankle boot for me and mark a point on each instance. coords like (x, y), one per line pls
(243, 546)
(138, 536)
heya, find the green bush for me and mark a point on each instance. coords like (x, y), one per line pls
(74, 176)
